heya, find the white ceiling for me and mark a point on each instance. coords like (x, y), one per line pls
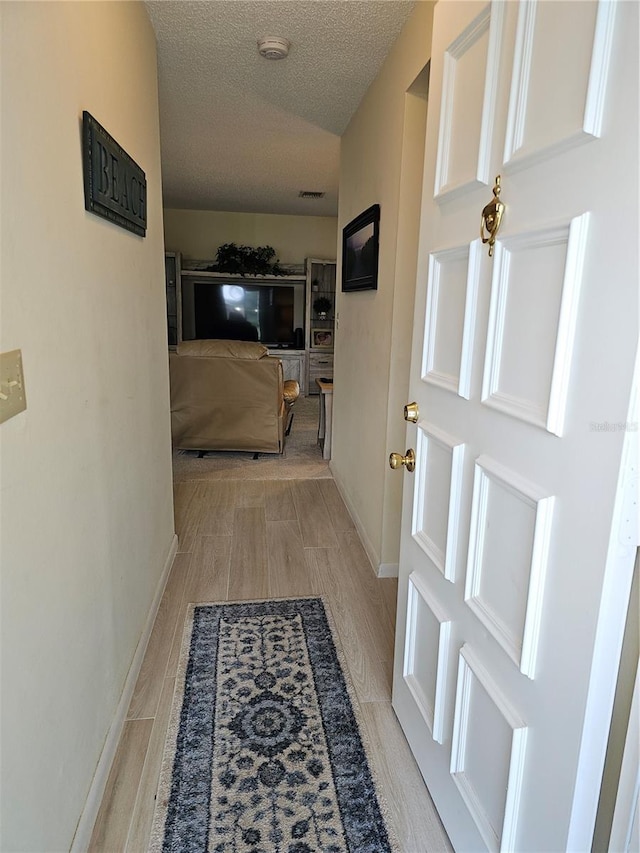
(242, 133)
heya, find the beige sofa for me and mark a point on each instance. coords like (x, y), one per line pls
(229, 395)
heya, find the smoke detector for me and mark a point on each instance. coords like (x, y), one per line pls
(273, 47)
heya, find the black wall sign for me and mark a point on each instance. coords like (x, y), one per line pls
(115, 187)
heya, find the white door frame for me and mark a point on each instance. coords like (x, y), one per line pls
(624, 540)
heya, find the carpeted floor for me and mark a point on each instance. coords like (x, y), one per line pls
(302, 457)
(264, 752)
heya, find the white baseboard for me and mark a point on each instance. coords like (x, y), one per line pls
(380, 570)
(89, 814)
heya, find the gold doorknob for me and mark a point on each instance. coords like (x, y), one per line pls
(397, 460)
(411, 413)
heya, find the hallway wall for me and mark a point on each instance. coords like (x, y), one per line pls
(380, 163)
(86, 496)
(198, 233)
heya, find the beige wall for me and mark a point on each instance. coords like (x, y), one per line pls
(381, 162)
(198, 233)
(86, 506)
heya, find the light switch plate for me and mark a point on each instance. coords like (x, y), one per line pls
(12, 395)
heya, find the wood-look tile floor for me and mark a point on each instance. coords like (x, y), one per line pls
(251, 539)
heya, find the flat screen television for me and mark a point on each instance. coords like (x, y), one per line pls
(243, 311)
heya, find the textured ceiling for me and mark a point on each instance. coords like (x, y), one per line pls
(242, 133)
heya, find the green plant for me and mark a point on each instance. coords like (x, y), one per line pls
(247, 261)
(322, 305)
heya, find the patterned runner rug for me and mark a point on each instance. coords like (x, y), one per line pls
(263, 753)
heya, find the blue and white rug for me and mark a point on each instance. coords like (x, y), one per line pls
(264, 754)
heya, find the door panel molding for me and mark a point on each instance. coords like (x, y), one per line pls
(472, 673)
(443, 555)
(522, 644)
(448, 184)
(548, 411)
(459, 383)
(519, 152)
(430, 704)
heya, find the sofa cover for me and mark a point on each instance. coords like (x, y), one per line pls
(227, 395)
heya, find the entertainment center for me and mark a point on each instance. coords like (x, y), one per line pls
(294, 315)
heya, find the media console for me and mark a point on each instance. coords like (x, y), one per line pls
(293, 314)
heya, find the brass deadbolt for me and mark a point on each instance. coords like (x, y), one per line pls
(411, 413)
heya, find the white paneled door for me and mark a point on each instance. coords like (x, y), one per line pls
(518, 531)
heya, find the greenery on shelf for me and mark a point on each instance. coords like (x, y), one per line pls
(247, 261)
(322, 305)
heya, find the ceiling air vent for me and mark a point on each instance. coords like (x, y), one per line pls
(310, 194)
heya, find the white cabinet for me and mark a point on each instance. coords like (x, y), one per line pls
(320, 367)
(293, 366)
